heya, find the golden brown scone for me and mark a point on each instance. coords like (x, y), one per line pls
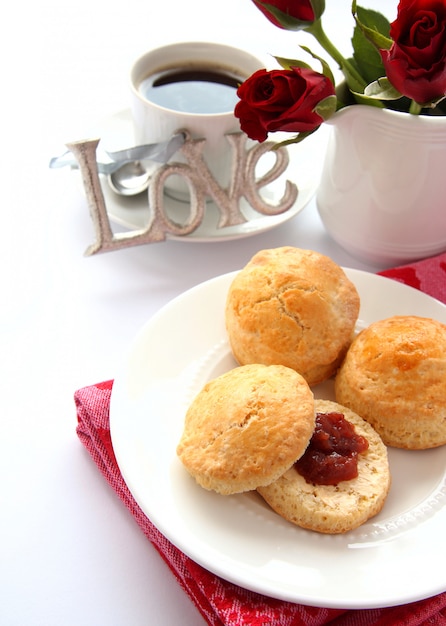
(394, 376)
(246, 427)
(333, 509)
(293, 307)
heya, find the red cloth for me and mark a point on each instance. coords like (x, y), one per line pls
(428, 275)
(221, 603)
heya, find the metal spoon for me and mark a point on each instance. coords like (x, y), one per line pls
(130, 179)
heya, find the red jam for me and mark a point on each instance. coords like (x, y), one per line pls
(332, 454)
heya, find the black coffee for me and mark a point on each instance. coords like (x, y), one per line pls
(192, 90)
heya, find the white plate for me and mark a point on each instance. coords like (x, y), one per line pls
(133, 213)
(397, 557)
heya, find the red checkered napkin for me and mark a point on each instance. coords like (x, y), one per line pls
(221, 603)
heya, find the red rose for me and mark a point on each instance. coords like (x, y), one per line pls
(290, 14)
(416, 62)
(281, 100)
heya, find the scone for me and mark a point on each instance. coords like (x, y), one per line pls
(292, 307)
(246, 427)
(335, 508)
(394, 376)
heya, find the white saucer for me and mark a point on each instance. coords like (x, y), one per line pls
(133, 213)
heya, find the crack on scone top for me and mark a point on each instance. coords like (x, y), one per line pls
(240, 424)
(278, 296)
(294, 316)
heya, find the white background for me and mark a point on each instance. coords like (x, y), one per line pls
(70, 552)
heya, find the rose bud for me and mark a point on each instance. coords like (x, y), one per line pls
(283, 100)
(291, 14)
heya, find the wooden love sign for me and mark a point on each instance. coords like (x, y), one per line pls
(201, 184)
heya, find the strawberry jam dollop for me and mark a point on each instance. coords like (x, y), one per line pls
(332, 454)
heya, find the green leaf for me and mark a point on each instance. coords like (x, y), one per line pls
(326, 70)
(326, 107)
(382, 89)
(373, 26)
(353, 83)
(347, 97)
(365, 53)
(287, 64)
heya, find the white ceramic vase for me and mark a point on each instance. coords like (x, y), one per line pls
(382, 194)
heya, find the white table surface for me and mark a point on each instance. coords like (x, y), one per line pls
(71, 554)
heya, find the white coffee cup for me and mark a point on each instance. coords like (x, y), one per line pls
(155, 122)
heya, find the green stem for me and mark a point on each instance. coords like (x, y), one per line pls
(349, 71)
(415, 108)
